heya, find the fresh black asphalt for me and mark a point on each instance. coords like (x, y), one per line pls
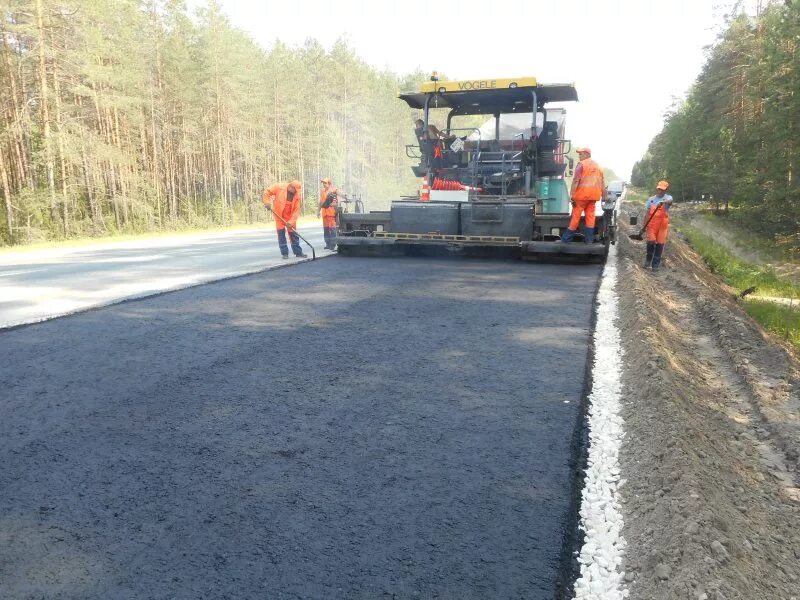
(347, 428)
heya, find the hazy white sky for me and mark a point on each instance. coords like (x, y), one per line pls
(627, 58)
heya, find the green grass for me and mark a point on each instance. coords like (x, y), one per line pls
(778, 318)
(781, 319)
(636, 196)
(774, 247)
(736, 272)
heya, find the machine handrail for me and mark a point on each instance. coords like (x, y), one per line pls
(414, 147)
(501, 154)
(473, 174)
(520, 135)
(470, 129)
(568, 147)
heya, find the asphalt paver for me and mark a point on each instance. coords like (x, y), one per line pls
(344, 428)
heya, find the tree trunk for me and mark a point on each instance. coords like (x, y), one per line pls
(7, 197)
(17, 126)
(61, 156)
(96, 216)
(45, 109)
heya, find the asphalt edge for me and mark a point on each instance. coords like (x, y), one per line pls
(157, 293)
(569, 568)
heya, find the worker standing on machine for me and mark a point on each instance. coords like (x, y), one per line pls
(657, 209)
(284, 200)
(328, 202)
(588, 184)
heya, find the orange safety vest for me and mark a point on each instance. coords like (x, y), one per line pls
(278, 194)
(590, 185)
(329, 213)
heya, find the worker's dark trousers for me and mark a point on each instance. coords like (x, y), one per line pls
(330, 237)
(285, 247)
(648, 257)
(659, 250)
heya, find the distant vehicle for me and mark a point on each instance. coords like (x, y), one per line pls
(617, 187)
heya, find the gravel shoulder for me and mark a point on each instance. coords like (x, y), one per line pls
(712, 407)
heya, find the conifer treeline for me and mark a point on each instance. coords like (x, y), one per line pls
(132, 115)
(737, 135)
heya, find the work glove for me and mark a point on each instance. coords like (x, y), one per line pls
(318, 213)
(268, 206)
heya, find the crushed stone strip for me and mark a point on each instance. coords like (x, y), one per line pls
(601, 574)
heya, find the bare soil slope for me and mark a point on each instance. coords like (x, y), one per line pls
(711, 454)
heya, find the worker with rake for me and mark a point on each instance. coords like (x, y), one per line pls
(286, 199)
(657, 209)
(328, 201)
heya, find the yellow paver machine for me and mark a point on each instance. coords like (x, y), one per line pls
(496, 188)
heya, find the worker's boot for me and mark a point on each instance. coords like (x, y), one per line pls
(588, 234)
(334, 234)
(648, 257)
(568, 234)
(659, 250)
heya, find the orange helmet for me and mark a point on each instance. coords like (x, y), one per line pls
(662, 185)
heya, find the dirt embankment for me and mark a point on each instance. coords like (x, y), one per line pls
(711, 404)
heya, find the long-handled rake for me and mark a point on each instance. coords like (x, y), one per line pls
(288, 226)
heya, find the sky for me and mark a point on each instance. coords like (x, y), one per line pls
(628, 59)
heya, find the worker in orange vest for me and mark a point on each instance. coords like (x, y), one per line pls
(328, 201)
(588, 184)
(657, 208)
(284, 200)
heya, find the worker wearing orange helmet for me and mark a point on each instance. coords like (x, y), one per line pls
(284, 200)
(657, 208)
(328, 201)
(588, 184)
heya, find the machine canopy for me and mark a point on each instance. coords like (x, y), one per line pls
(491, 96)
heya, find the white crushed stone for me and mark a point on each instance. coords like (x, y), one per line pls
(601, 575)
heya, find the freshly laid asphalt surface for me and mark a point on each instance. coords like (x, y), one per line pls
(346, 428)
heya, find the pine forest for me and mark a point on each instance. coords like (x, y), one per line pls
(136, 115)
(735, 139)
